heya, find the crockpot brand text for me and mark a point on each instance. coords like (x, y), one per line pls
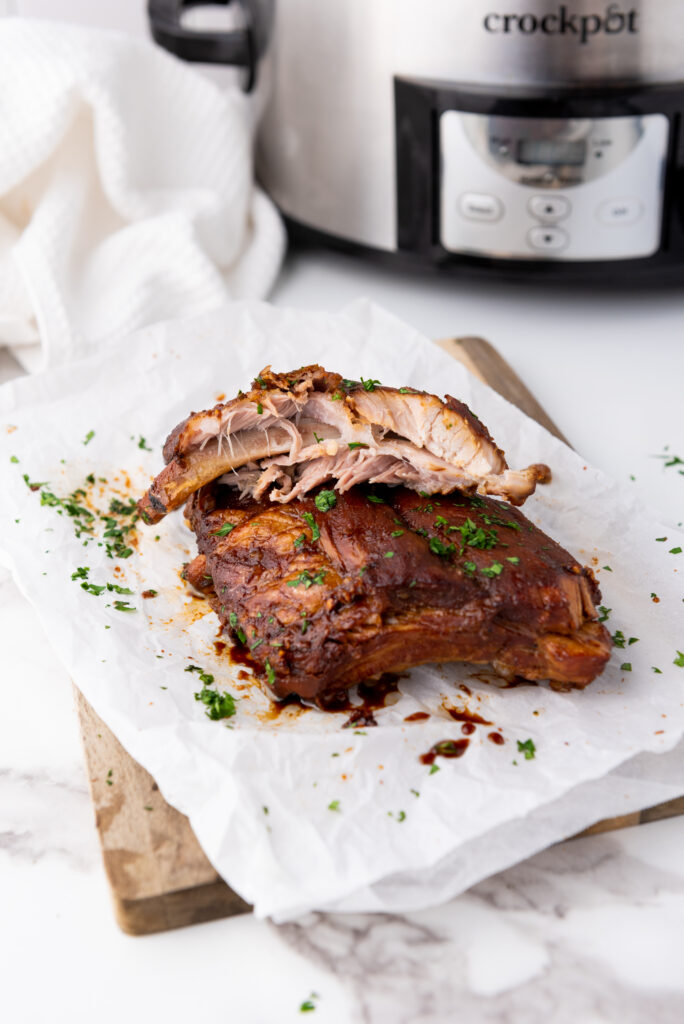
(564, 23)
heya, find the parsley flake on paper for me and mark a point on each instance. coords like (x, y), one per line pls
(217, 705)
(527, 748)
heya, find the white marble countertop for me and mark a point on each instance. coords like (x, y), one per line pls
(589, 932)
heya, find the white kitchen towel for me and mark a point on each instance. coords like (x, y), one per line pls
(126, 191)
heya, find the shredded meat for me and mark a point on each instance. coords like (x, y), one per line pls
(293, 431)
(325, 599)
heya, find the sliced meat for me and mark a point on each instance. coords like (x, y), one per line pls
(295, 430)
(386, 579)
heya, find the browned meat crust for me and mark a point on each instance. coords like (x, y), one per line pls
(292, 431)
(324, 599)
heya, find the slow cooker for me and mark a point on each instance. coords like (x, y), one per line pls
(525, 136)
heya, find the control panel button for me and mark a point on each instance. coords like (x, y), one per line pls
(620, 211)
(549, 207)
(550, 239)
(479, 206)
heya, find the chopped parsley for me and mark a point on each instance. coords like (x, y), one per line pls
(405, 391)
(260, 408)
(92, 588)
(375, 499)
(13, 458)
(89, 436)
(300, 540)
(626, 666)
(679, 660)
(81, 573)
(492, 519)
(325, 500)
(632, 640)
(675, 551)
(433, 768)
(514, 560)
(389, 554)
(142, 443)
(490, 571)
(224, 530)
(32, 486)
(661, 539)
(401, 816)
(205, 678)
(317, 438)
(527, 748)
(305, 579)
(474, 536)
(312, 524)
(218, 705)
(370, 384)
(356, 444)
(308, 1005)
(671, 460)
(270, 674)
(124, 606)
(233, 620)
(605, 612)
(334, 805)
(657, 670)
(116, 589)
(607, 568)
(438, 547)
(469, 568)
(397, 533)
(618, 638)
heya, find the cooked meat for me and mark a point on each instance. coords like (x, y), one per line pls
(324, 597)
(294, 431)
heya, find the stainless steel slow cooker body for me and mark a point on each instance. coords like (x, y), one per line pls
(455, 132)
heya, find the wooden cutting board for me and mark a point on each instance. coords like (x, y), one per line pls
(159, 876)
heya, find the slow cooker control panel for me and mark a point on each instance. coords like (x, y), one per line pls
(545, 188)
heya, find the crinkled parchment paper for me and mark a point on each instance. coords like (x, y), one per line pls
(294, 811)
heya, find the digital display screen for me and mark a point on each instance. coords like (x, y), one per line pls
(552, 152)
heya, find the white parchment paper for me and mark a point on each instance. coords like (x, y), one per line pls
(294, 811)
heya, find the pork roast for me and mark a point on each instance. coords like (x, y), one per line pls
(330, 590)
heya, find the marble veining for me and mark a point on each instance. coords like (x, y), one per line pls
(586, 932)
